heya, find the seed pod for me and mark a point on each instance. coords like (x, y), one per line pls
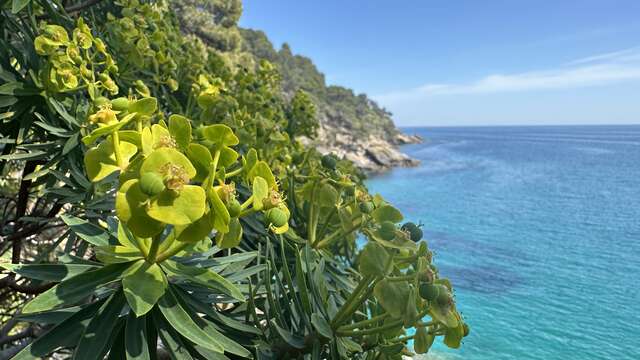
(277, 217)
(234, 208)
(120, 104)
(429, 291)
(444, 296)
(151, 183)
(414, 231)
(329, 161)
(100, 101)
(366, 207)
(387, 230)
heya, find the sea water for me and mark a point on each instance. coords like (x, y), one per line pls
(539, 230)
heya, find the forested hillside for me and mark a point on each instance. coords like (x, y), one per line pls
(351, 125)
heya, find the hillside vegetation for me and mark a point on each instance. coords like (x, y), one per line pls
(156, 201)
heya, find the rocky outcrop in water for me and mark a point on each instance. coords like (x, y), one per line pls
(372, 153)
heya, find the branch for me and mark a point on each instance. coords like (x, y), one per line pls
(30, 289)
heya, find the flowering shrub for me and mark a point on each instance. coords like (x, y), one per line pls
(184, 217)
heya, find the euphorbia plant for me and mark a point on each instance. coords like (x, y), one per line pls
(191, 213)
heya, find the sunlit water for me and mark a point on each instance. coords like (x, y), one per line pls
(539, 230)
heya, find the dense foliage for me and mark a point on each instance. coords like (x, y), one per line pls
(156, 203)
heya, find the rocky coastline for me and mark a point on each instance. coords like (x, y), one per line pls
(372, 153)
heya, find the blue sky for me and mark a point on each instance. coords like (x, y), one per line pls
(471, 62)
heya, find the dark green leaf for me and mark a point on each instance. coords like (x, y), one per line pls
(47, 272)
(75, 288)
(182, 322)
(87, 231)
(93, 342)
(136, 338)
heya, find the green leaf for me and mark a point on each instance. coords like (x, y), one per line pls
(136, 338)
(171, 340)
(75, 288)
(183, 323)
(180, 129)
(101, 162)
(18, 5)
(321, 325)
(110, 254)
(453, 336)
(51, 317)
(205, 277)
(262, 170)
(289, 337)
(144, 106)
(373, 260)
(392, 295)
(143, 286)
(17, 88)
(422, 340)
(326, 195)
(200, 157)
(126, 238)
(221, 217)
(231, 238)
(131, 209)
(146, 141)
(220, 134)
(183, 209)
(93, 343)
(387, 213)
(65, 334)
(446, 315)
(228, 344)
(47, 272)
(218, 317)
(105, 130)
(260, 192)
(159, 158)
(196, 231)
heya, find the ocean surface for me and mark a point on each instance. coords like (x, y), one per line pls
(539, 230)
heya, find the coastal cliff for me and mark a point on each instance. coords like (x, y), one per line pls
(350, 125)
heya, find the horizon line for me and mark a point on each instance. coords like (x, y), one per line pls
(512, 125)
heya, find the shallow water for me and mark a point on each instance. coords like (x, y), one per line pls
(539, 230)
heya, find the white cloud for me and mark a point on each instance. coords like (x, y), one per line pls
(595, 70)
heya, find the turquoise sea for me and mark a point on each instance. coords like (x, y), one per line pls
(539, 230)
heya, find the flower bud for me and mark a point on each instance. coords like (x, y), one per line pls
(277, 217)
(151, 183)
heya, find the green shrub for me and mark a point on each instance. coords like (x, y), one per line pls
(155, 192)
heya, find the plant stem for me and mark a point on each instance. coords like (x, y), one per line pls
(361, 324)
(181, 245)
(247, 202)
(329, 239)
(402, 277)
(351, 300)
(370, 331)
(233, 173)
(153, 250)
(216, 158)
(115, 137)
(311, 233)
